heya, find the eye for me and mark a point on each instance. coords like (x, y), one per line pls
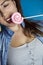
(6, 5)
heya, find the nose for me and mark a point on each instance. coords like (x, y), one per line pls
(5, 13)
(2, 12)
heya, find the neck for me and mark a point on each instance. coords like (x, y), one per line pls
(19, 38)
(16, 28)
(19, 31)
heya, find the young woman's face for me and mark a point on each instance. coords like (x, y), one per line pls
(7, 8)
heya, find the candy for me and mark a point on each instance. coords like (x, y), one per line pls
(17, 18)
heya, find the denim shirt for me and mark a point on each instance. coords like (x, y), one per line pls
(5, 38)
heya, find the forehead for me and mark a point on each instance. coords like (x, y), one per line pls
(1, 1)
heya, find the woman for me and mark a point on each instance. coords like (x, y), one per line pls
(18, 43)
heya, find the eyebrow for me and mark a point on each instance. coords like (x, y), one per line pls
(4, 2)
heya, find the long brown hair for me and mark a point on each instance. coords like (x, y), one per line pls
(30, 27)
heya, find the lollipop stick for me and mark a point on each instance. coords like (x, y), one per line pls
(33, 16)
(29, 17)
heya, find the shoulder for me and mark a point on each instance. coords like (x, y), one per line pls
(5, 34)
(39, 46)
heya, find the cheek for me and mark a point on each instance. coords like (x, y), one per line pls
(11, 9)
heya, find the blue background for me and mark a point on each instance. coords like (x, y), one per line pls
(32, 7)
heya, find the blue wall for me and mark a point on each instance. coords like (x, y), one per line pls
(32, 7)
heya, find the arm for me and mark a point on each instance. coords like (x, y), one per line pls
(42, 54)
(0, 50)
(5, 38)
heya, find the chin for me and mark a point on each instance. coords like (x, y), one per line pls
(14, 28)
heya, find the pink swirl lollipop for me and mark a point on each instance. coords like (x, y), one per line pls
(17, 18)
